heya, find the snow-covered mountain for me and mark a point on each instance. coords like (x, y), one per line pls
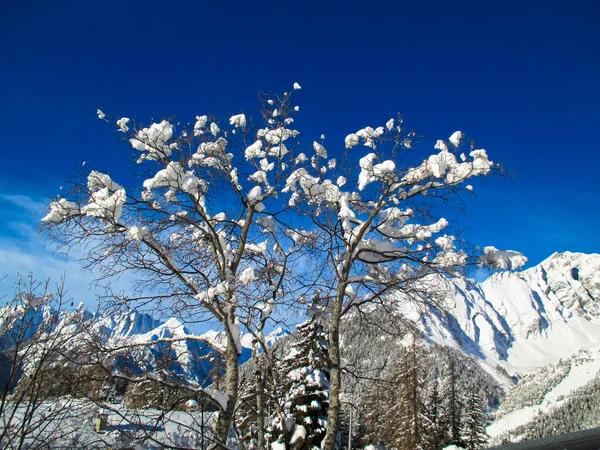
(521, 320)
(558, 398)
(128, 334)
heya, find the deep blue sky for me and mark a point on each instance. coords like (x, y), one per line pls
(521, 77)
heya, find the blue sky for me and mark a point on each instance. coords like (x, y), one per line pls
(519, 77)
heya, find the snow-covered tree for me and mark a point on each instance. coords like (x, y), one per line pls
(453, 405)
(434, 432)
(474, 421)
(408, 431)
(377, 404)
(304, 372)
(211, 234)
(374, 235)
(198, 223)
(34, 351)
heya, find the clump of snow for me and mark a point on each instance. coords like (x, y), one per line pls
(351, 140)
(220, 397)
(138, 233)
(153, 140)
(319, 150)
(257, 249)
(100, 114)
(175, 177)
(297, 86)
(255, 195)
(301, 237)
(254, 150)
(456, 138)
(60, 211)
(247, 276)
(122, 124)
(502, 259)
(212, 292)
(239, 120)
(384, 171)
(107, 198)
(299, 434)
(200, 125)
(266, 309)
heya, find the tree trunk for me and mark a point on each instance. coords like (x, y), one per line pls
(335, 382)
(231, 389)
(260, 407)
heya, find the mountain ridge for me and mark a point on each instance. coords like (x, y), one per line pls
(520, 320)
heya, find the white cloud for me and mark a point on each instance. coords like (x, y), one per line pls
(23, 251)
(33, 207)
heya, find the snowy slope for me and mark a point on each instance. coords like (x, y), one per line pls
(543, 392)
(521, 320)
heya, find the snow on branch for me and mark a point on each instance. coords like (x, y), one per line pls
(176, 177)
(153, 140)
(60, 211)
(502, 259)
(218, 396)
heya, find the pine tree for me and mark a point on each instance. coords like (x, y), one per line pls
(305, 397)
(474, 434)
(434, 432)
(409, 419)
(378, 405)
(452, 405)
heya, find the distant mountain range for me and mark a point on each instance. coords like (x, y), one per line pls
(543, 320)
(187, 356)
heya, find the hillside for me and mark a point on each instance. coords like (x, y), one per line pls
(520, 320)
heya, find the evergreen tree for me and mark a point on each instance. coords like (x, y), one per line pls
(378, 405)
(474, 434)
(434, 431)
(408, 404)
(305, 400)
(452, 405)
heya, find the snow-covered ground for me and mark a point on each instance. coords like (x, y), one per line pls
(68, 423)
(539, 393)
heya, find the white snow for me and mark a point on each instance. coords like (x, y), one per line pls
(199, 125)
(254, 150)
(502, 259)
(255, 195)
(319, 150)
(100, 114)
(175, 177)
(257, 249)
(583, 368)
(138, 233)
(239, 121)
(61, 210)
(247, 276)
(297, 86)
(154, 141)
(220, 397)
(299, 434)
(107, 198)
(456, 138)
(122, 124)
